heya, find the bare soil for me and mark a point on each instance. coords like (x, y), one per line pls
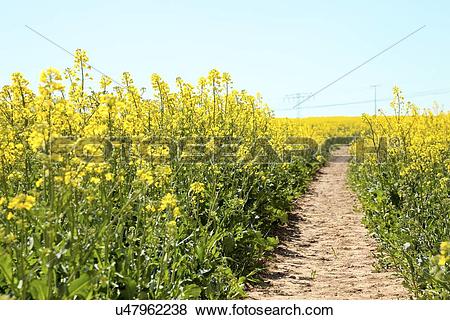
(325, 251)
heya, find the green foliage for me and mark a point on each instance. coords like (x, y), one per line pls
(406, 199)
(115, 248)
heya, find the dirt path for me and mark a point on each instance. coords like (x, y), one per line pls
(325, 252)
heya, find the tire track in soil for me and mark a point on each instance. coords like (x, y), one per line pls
(325, 252)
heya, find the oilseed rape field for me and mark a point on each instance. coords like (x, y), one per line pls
(404, 187)
(96, 203)
(108, 194)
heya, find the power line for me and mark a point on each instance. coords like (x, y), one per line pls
(343, 104)
(359, 66)
(431, 92)
(68, 52)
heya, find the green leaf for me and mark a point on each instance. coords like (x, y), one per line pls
(130, 289)
(228, 245)
(271, 243)
(39, 289)
(282, 216)
(191, 291)
(80, 287)
(6, 267)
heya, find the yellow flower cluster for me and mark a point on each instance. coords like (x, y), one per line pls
(405, 188)
(318, 128)
(197, 187)
(444, 256)
(38, 128)
(22, 201)
(168, 201)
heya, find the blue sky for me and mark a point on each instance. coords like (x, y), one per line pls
(274, 47)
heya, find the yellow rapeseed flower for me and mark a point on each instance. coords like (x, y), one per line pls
(22, 201)
(176, 212)
(168, 201)
(95, 180)
(151, 207)
(442, 260)
(39, 182)
(145, 176)
(197, 187)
